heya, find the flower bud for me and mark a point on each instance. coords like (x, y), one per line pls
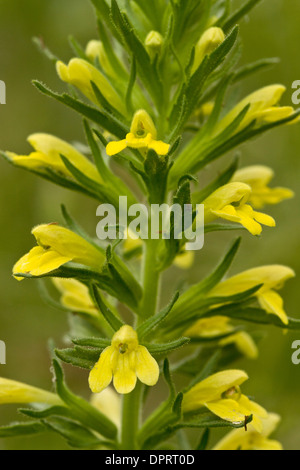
(153, 43)
(95, 51)
(207, 44)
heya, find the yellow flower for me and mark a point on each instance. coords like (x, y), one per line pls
(81, 73)
(220, 393)
(108, 403)
(219, 325)
(75, 296)
(47, 155)
(124, 361)
(229, 202)
(142, 136)
(258, 178)
(17, 392)
(263, 108)
(252, 440)
(207, 44)
(272, 277)
(57, 246)
(95, 50)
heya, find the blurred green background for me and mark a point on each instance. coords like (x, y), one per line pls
(25, 322)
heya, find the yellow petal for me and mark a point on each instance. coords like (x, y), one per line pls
(276, 114)
(101, 375)
(267, 444)
(254, 175)
(124, 373)
(126, 335)
(273, 303)
(264, 219)
(272, 276)
(244, 343)
(246, 215)
(69, 244)
(209, 327)
(39, 261)
(227, 409)
(159, 147)
(226, 195)
(147, 369)
(115, 147)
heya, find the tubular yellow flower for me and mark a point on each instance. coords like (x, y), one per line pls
(207, 44)
(229, 202)
(47, 156)
(17, 392)
(272, 277)
(263, 108)
(57, 246)
(109, 403)
(252, 440)
(142, 136)
(219, 325)
(81, 73)
(258, 177)
(124, 361)
(95, 50)
(220, 393)
(75, 296)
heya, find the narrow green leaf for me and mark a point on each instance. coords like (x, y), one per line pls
(76, 435)
(148, 326)
(101, 118)
(39, 42)
(132, 79)
(21, 429)
(99, 343)
(222, 227)
(84, 359)
(166, 348)
(204, 440)
(109, 316)
(77, 48)
(240, 13)
(86, 413)
(47, 412)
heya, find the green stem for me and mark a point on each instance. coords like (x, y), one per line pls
(131, 418)
(151, 280)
